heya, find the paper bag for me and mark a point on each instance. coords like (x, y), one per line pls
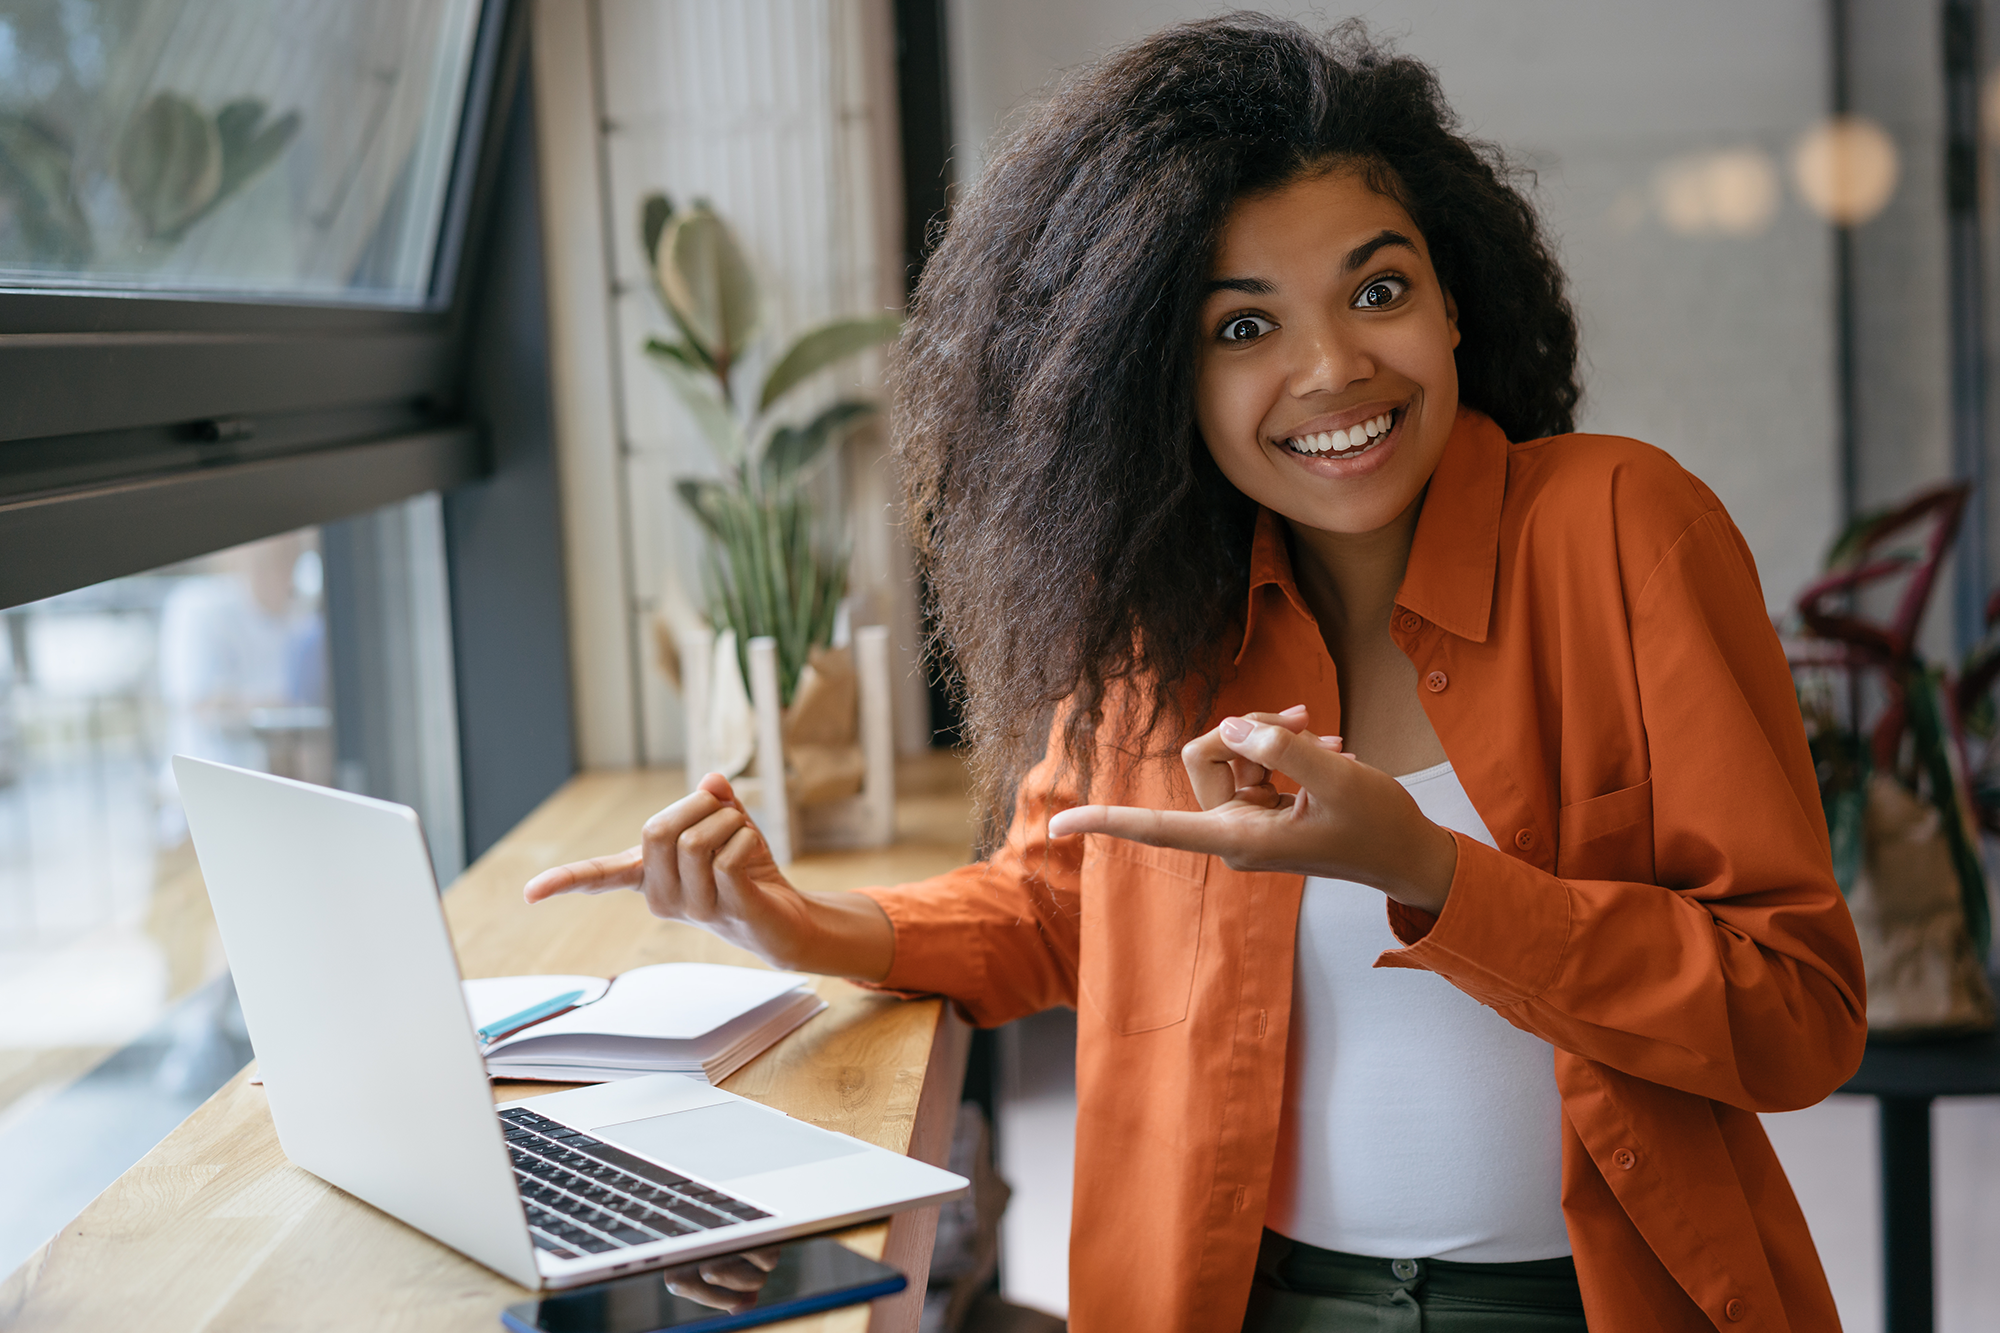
(1924, 978)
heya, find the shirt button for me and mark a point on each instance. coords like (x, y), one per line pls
(1436, 681)
(1405, 1269)
(1734, 1310)
(1626, 1158)
(1525, 839)
(1410, 623)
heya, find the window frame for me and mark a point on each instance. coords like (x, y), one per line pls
(137, 430)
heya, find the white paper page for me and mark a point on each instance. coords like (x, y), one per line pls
(491, 999)
(537, 1045)
(671, 1001)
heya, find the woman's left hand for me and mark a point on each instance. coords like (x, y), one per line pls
(1348, 821)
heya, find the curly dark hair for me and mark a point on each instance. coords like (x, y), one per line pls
(1077, 536)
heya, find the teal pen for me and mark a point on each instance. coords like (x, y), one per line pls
(528, 1017)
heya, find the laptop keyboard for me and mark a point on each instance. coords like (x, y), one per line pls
(585, 1196)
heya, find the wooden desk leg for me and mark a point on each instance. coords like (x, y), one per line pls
(1908, 1275)
(913, 1232)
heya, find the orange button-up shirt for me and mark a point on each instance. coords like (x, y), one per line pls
(1598, 664)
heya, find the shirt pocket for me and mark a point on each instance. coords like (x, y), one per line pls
(1608, 836)
(1141, 931)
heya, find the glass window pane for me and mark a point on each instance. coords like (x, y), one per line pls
(288, 148)
(110, 965)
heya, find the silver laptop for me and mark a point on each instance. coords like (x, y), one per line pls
(337, 939)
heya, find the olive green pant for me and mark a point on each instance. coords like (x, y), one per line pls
(1303, 1289)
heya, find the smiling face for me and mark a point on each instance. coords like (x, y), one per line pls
(1325, 382)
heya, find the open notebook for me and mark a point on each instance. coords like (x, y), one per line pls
(706, 1020)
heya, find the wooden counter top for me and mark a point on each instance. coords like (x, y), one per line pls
(215, 1230)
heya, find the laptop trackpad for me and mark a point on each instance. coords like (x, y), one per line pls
(728, 1140)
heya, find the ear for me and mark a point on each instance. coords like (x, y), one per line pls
(1451, 318)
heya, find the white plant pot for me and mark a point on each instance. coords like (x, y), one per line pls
(866, 819)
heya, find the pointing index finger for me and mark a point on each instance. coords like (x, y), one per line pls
(619, 871)
(1178, 829)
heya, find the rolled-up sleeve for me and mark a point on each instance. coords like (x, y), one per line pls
(1736, 975)
(999, 937)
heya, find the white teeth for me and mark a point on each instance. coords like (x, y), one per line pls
(1342, 441)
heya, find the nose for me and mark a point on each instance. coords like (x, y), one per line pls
(1329, 360)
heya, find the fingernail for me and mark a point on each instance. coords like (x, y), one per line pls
(1330, 742)
(1295, 708)
(1235, 728)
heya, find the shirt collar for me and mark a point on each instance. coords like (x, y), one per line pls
(1456, 550)
(1456, 553)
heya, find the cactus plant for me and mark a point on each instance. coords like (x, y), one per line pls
(775, 565)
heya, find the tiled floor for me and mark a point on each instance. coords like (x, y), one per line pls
(1828, 1151)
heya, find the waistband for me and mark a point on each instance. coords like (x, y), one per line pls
(1297, 1266)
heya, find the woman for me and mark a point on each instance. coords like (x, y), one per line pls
(1236, 406)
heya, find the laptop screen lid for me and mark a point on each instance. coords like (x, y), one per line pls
(335, 934)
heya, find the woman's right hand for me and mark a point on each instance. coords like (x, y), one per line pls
(702, 860)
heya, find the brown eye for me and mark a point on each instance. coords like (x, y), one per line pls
(1245, 328)
(1381, 293)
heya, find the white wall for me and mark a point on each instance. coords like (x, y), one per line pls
(1718, 348)
(1901, 273)
(781, 113)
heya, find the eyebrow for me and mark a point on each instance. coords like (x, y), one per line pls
(1365, 251)
(1252, 286)
(1356, 257)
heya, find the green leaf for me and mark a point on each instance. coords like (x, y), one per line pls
(1846, 548)
(704, 498)
(686, 351)
(1847, 542)
(1846, 817)
(1923, 695)
(654, 210)
(249, 144)
(701, 359)
(821, 347)
(793, 448)
(35, 187)
(687, 354)
(708, 283)
(708, 410)
(169, 164)
(769, 571)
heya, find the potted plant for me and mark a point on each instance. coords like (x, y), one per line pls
(1900, 810)
(776, 563)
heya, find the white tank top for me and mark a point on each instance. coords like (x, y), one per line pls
(1418, 1123)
